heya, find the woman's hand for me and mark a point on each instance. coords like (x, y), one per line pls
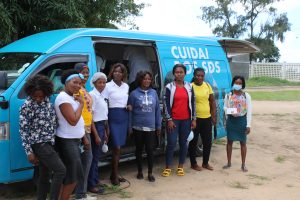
(97, 140)
(171, 126)
(129, 108)
(33, 159)
(247, 130)
(214, 120)
(86, 143)
(157, 132)
(194, 124)
(78, 98)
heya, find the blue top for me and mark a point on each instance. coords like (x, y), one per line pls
(145, 115)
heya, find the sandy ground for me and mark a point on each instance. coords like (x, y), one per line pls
(273, 161)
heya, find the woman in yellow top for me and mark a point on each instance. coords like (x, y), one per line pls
(205, 117)
(89, 127)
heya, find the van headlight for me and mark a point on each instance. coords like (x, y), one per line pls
(4, 131)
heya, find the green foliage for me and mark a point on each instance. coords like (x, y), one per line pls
(288, 95)
(23, 18)
(227, 22)
(269, 81)
(269, 52)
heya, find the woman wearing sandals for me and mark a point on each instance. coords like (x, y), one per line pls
(206, 116)
(117, 93)
(144, 120)
(237, 106)
(180, 113)
(100, 113)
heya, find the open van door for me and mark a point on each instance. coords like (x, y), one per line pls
(234, 47)
(238, 55)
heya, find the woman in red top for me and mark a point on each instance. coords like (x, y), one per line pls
(180, 112)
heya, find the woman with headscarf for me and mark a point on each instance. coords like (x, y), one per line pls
(68, 107)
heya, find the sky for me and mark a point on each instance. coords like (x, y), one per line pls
(180, 17)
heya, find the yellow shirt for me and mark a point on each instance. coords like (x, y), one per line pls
(202, 93)
(87, 108)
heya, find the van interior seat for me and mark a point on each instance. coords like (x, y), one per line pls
(55, 77)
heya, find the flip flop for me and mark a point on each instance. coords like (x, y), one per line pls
(244, 168)
(227, 166)
(166, 172)
(180, 171)
(99, 190)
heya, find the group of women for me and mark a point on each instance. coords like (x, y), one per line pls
(87, 121)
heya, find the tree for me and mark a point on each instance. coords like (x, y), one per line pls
(249, 24)
(26, 17)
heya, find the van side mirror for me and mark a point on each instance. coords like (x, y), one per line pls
(3, 103)
(3, 80)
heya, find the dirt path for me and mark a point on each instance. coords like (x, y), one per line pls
(273, 161)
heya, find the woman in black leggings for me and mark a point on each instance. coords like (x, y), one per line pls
(144, 120)
(205, 116)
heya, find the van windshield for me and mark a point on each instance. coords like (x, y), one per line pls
(14, 64)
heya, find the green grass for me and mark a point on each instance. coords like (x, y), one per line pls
(262, 178)
(123, 194)
(220, 142)
(280, 159)
(268, 81)
(238, 185)
(289, 95)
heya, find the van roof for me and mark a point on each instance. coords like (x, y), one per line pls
(45, 42)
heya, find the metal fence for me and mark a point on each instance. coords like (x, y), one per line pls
(287, 71)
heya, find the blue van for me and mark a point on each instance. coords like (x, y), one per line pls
(51, 52)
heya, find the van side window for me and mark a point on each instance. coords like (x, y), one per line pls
(53, 68)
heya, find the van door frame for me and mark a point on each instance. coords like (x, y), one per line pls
(134, 42)
(16, 148)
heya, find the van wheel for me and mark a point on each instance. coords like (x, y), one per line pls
(199, 150)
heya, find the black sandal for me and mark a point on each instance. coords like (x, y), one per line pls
(140, 175)
(151, 178)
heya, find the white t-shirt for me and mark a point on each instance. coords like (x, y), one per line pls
(99, 107)
(117, 95)
(65, 130)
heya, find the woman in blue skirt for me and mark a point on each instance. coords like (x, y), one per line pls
(117, 93)
(237, 106)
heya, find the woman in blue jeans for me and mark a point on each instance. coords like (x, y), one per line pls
(180, 113)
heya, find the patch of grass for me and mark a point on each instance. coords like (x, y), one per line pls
(238, 185)
(289, 95)
(258, 183)
(269, 81)
(117, 190)
(262, 178)
(280, 159)
(220, 142)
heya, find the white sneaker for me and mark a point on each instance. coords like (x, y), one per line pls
(89, 197)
